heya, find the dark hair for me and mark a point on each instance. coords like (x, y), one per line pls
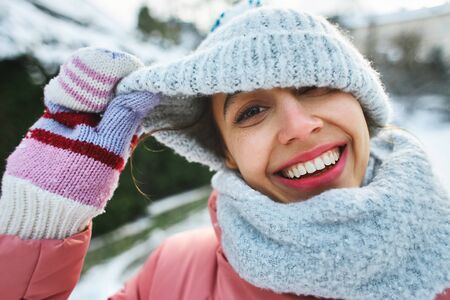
(217, 141)
(373, 126)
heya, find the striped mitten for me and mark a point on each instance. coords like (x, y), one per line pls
(67, 166)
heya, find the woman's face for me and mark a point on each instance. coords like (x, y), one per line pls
(291, 144)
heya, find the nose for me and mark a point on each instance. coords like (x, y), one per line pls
(296, 121)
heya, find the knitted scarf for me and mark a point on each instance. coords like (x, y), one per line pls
(388, 239)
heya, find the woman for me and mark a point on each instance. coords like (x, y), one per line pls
(313, 196)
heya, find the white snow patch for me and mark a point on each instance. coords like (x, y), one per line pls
(51, 30)
(428, 122)
(175, 201)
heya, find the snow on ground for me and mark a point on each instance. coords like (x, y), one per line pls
(175, 201)
(427, 122)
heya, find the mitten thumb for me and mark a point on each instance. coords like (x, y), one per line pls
(125, 113)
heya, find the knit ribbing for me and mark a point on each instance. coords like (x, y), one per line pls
(262, 48)
(62, 172)
(34, 213)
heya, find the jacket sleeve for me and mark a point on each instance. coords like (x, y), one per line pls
(41, 269)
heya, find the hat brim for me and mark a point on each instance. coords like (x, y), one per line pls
(248, 63)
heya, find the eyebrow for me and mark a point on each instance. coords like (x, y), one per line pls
(229, 100)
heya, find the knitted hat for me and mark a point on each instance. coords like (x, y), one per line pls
(259, 48)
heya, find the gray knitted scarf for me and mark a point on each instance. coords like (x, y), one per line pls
(388, 239)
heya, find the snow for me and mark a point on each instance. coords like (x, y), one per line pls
(175, 201)
(51, 30)
(430, 123)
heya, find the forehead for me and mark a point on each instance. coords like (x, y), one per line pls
(223, 100)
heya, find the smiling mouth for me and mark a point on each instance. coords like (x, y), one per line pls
(314, 167)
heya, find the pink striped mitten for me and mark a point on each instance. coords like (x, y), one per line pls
(67, 167)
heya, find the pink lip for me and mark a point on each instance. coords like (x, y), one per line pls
(308, 155)
(318, 180)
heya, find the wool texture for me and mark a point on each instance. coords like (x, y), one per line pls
(256, 48)
(67, 166)
(388, 239)
(86, 81)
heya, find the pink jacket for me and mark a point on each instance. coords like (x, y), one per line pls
(189, 265)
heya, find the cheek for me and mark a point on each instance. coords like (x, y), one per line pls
(348, 116)
(345, 112)
(251, 152)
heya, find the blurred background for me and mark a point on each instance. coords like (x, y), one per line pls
(408, 42)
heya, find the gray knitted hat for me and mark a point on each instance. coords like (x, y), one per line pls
(255, 48)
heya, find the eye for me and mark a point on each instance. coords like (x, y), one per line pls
(248, 113)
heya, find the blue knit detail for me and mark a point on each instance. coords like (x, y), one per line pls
(234, 11)
(115, 130)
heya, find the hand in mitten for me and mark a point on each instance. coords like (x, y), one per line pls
(67, 167)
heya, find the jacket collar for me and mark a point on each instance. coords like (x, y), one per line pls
(212, 207)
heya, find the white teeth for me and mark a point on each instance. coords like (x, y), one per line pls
(302, 169)
(318, 163)
(326, 159)
(296, 172)
(310, 168)
(336, 155)
(333, 158)
(291, 174)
